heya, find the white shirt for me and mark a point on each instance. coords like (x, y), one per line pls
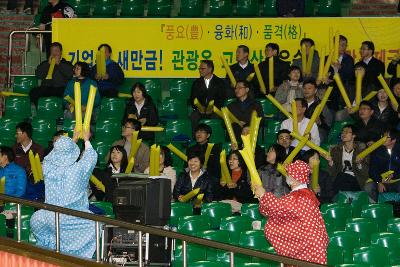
(302, 125)
(301, 186)
(113, 169)
(310, 103)
(26, 148)
(207, 81)
(347, 158)
(367, 60)
(139, 107)
(244, 65)
(194, 180)
(340, 58)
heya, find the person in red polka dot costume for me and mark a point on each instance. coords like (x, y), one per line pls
(295, 227)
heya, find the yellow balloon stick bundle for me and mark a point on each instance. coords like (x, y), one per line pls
(358, 87)
(385, 175)
(311, 145)
(278, 105)
(210, 106)
(313, 118)
(49, 75)
(225, 174)
(152, 129)
(177, 152)
(228, 125)
(6, 94)
(315, 175)
(36, 177)
(198, 200)
(231, 116)
(228, 71)
(101, 62)
(89, 108)
(78, 107)
(135, 144)
(190, 195)
(249, 160)
(98, 183)
(303, 59)
(207, 154)
(388, 92)
(38, 167)
(321, 65)
(254, 127)
(199, 106)
(327, 65)
(131, 164)
(310, 60)
(371, 148)
(294, 117)
(370, 95)
(271, 78)
(296, 150)
(263, 88)
(343, 92)
(154, 160)
(251, 76)
(71, 101)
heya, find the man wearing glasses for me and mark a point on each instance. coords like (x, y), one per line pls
(374, 65)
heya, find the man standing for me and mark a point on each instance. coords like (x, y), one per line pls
(374, 65)
(308, 43)
(295, 227)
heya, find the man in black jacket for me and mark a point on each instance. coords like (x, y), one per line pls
(374, 65)
(367, 128)
(209, 87)
(54, 85)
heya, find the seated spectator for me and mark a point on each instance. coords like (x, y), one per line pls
(203, 133)
(116, 164)
(308, 43)
(392, 68)
(55, 85)
(239, 190)
(374, 65)
(243, 107)
(284, 138)
(348, 173)
(324, 121)
(55, 137)
(166, 168)
(141, 107)
(324, 191)
(271, 178)
(24, 144)
(142, 157)
(396, 89)
(302, 123)
(81, 75)
(108, 85)
(290, 89)
(194, 177)
(15, 176)
(209, 87)
(367, 128)
(386, 158)
(383, 110)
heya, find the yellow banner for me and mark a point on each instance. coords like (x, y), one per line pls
(174, 47)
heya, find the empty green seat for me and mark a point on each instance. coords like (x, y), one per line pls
(43, 130)
(371, 255)
(180, 88)
(105, 9)
(7, 128)
(107, 207)
(179, 209)
(173, 108)
(338, 212)
(153, 88)
(194, 253)
(68, 126)
(191, 8)
(50, 107)
(269, 8)
(3, 232)
(18, 107)
(254, 239)
(112, 108)
(214, 254)
(347, 241)
(251, 210)
(356, 199)
(273, 126)
(393, 225)
(334, 255)
(309, 8)
(380, 212)
(81, 7)
(178, 130)
(247, 8)
(364, 227)
(218, 132)
(159, 8)
(235, 225)
(191, 224)
(391, 241)
(126, 86)
(102, 148)
(216, 211)
(220, 8)
(24, 84)
(132, 8)
(269, 109)
(329, 8)
(25, 210)
(205, 264)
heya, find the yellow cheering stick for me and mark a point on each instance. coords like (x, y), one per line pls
(101, 62)
(71, 101)
(311, 145)
(260, 79)
(198, 200)
(210, 106)
(38, 166)
(218, 112)
(2, 187)
(228, 125)
(231, 116)
(370, 95)
(254, 127)
(278, 105)
(294, 117)
(343, 92)
(271, 78)
(190, 195)
(152, 129)
(6, 94)
(398, 70)
(177, 152)
(310, 60)
(250, 77)
(207, 154)
(228, 71)
(325, 98)
(78, 108)
(131, 164)
(296, 150)
(249, 160)
(124, 95)
(49, 75)
(134, 140)
(371, 148)
(327, 65)
(388, 92)
(32, 162)
(281, 169)
(98, 183)
(385, 175)
(89, 108)
(358, 87)
(199, 106)
(156, 160)
(225, 174)
(303, 59)
(315, 175)
(313, 118)
(321, 65)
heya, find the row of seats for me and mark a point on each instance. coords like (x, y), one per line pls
(192, 8)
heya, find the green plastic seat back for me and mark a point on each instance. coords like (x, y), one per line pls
(179, 209)
(24, 84)
(254, 239)
(7, 128)
(334, 255)
(269, 109)
(251, 210)
(235, 225)
(68, 126)
(347, 241)
(180, 88)
(338, 212)
(102, 148)
(329, 8)
(159, 8)
(104, 205)
(205, 264)
(18, 107)
(273, 126)
(177, 130)
(220, 8)
(153, 88)
(105, 9)
(50, 107)
(365, 227)
(216, 211)
(191, 8)
(390, 241)
(193, 224)
(126, 86)
(356, 199)
(43, 130)
(218, 132)
(194, 253)
(214, 254)
(173, 108)
(380, 212)
(269, 8)
(112, 108)
(132, 8)
(81, 7)
(3, 232)
(372, 255)
(309, 8)
(393, 225)
(247, 8)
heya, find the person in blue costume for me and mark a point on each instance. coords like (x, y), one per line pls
(66, 180)
(15, 176)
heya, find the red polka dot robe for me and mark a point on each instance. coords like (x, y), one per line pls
(295, 227)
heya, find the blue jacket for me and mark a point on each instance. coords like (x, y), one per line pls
(381, 162)
(15, 180)
(116, 76)
(85, 88)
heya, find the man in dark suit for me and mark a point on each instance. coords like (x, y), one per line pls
(374, 65)
(240, 70)
(281, 68)
(209, 87)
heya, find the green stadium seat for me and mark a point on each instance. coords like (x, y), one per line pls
(356, 199)
(334, 255)
(273, 126)
(235, 225)
(330, 225)
(379, 212)
(191, 8)
(391, 241)
(7, 129)
(43, 130)
(220, 8)
(68, 126)
(256, 240)
(25, 210)
(216, 235)
(228, 101)
(393, 225)
(3, 231)
(25, 227)
(337, 212)
(18, 107)
(132, 8)
(218, 132)
(247, 8)
(179, 130)
(205, 264)
(106, 206)
(192, 224)
(364, 227)
(112, 108)
(159, 8)
(269, 8)
(173, 108)
(269, 109)
(194, 253)
(179, 209)
(180, 88)
(334, 133)
(348, 241)
(309, 8)
(329, 8)
(216, 211)
(81, 7)
(351, 265)
(371, 255)
(50, 108)
(153, 88)
(105, 9)
(126, 86)
(102, 148)
(251, 210)
(24, 84)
